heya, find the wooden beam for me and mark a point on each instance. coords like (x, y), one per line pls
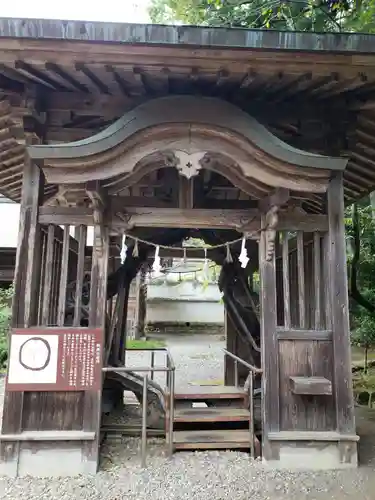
(55, 68)
(80, 66)
(123, 85)
(311, 436)
(6, 275)
(39, 75)
(246, 221)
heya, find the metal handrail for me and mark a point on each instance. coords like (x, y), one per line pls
(169, 370)
(252, 370)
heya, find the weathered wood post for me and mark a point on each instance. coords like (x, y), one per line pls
(141, 302)
(269, 345)
(25, 301)
(342, 386)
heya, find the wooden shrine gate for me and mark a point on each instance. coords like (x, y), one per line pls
(306, 387)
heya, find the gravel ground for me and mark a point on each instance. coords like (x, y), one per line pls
(197, 476)
(198, 362)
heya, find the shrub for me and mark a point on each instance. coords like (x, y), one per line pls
(5, 317)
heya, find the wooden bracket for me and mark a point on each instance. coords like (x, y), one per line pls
(271, 221)
(279, 198)
(271, 206)
(125, 218)
(97, 197)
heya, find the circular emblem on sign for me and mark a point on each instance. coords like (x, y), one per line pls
(35, 354)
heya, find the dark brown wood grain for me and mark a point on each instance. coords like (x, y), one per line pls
(245, 220)
(301, 280)
(270, 358)
(63, 278)
(317, 280)
(97, 315)
(57, 411)
(48, 276)
(311, 386)
(26, 287)
(340, 308)
(286, 279)
(307, 359)
(82, 236)
(300, 334)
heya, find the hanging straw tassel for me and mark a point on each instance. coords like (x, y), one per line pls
(243, 258)
(156, 266)
(136, 250)
(124, 249)
(228, 257)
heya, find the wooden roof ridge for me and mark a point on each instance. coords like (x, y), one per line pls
(129, 33)
(190, 110)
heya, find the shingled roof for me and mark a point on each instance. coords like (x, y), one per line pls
(66, 80)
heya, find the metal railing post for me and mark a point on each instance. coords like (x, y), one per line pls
(152, 364)
(252, 370)
(251, 409)
(144, 422)
(171, 411)
(169, 370)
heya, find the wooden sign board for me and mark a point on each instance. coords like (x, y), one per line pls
(55, 359)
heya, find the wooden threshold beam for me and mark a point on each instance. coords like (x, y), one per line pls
(245, 221)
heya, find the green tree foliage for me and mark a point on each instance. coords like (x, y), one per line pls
(360, 224)
(5, 316)
(363, 17)
(290, 15)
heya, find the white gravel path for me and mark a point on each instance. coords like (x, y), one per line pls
(191, 476)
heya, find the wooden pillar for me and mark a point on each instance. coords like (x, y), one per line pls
(269, 343)
(343, 390)
(25, 301)
(98, 302)
(141, 303)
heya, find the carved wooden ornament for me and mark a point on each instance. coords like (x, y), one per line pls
(272, 218)
(188, 164)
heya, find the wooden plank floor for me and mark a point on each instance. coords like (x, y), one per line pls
(223, 439)
(211, 415)
(210, 392)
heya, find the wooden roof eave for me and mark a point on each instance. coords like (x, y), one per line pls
(187, 110)
(180, 128)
